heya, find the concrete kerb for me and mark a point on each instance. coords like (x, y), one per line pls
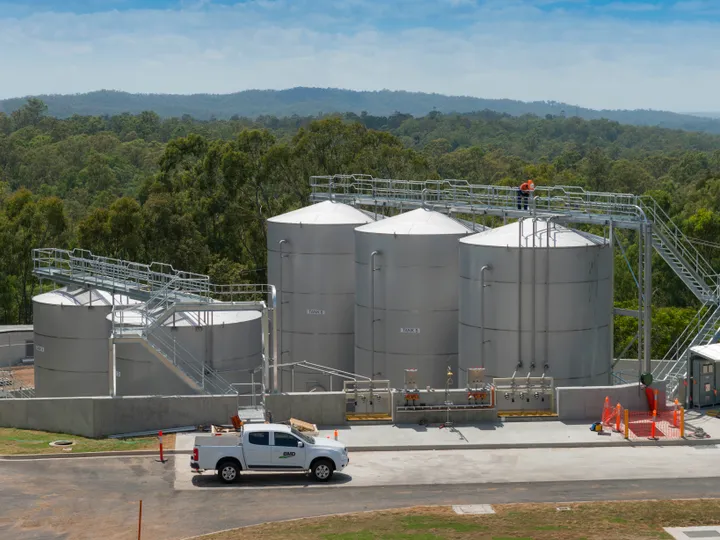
(522, 446)
(406, 448)
(119, 453)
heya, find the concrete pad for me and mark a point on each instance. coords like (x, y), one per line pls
(688, 533)
(492, 435)
(481, 467)
(473, 509)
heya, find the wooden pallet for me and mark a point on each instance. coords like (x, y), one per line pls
(368, 417)
(527, 414)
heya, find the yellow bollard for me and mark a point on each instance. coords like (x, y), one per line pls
(682, 422)
(627, 424)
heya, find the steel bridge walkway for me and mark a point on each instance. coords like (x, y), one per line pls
(568, 204)
(162, 292)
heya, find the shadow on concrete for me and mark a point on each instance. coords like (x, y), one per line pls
(268, 480)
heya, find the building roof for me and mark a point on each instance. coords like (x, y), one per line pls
(324, 213)
(509, 236)
(5, 329)
(711, 352)
(416, 222)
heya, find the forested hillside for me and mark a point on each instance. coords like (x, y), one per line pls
(196, 194)
(315, 101)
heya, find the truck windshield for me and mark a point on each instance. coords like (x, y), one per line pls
(307, 438)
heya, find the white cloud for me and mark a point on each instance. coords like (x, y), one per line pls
(516, 49)
(631, 6)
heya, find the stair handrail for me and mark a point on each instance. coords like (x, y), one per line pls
(203, 375)
(670, 233)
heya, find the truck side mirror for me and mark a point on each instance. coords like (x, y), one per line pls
(301, 444)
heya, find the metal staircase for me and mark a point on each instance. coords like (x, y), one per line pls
(680, 254)
(702, 330)
(569, 204)
(163, 293)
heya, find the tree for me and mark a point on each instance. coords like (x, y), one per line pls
(29, 114)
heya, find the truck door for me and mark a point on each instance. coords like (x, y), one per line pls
(257, 450)
(286, 454)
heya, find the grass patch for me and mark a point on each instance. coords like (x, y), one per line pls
(25, 441)
(590, 521)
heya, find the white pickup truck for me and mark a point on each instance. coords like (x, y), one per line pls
(268, 447)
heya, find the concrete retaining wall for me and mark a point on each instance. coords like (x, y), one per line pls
(323, 409)
(13, 344)
(586, 402)
(101, 416)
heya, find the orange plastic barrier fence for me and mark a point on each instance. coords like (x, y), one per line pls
(653, 424)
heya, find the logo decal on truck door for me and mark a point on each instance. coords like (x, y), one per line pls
(288, 454)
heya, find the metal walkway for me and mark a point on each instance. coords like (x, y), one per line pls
(568, 204)
(162, 292)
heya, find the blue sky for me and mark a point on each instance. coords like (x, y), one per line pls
(662, 54)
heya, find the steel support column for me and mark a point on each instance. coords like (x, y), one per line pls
(647, 322)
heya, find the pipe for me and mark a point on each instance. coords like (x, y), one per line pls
(519, 306)
(640, 300)
(532, 310)
(112, 367)
(281, 242)
(612, 293)
(372, 313)
(273, 337)
(547, 297)
(482, 313)
(647, 323)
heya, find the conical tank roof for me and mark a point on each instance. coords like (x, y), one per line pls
(67, 296)
(510, 235)
(416, 222)
(324, 213)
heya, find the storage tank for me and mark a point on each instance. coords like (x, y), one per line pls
(406, 312)
(546, 307)
(72, 339)
(311, 261)
(230, 342)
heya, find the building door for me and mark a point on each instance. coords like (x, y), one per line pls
(704, 390)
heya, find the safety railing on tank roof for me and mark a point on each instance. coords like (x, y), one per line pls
(459, 195)
(82, 267)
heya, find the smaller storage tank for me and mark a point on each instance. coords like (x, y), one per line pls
(407, 298)
(230, 342)
(536, 298)
(72, 341)
(311, 261)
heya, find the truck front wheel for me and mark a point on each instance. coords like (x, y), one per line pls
(228, 472)
(322, 470)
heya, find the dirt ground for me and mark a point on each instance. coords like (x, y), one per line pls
(23, 376)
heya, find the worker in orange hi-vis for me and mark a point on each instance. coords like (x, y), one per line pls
(524, 194)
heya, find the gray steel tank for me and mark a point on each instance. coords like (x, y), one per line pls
(230, 342)
(311, 261)
(72, 341)
(546, 306)
(406, 313)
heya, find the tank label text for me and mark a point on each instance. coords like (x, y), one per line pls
(409, 330)
(38, 348)
(316, 312)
